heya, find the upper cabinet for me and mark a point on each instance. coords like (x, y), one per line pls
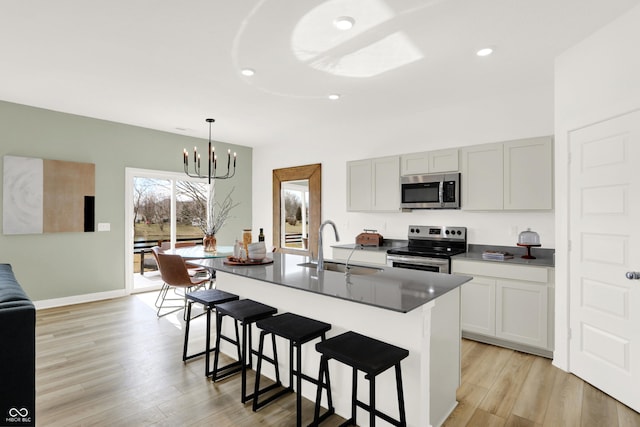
(482, 177)
(374, 184)
(429, 162)
(513, 175)
(359, 184)
(528, 174)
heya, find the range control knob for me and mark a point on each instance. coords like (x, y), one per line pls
(447, 232)
(459, 232)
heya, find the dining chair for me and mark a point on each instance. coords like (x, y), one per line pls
(194, 270)
(175, 275)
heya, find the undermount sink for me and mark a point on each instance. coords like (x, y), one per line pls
(341, 268)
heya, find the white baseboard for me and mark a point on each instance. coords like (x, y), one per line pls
(79, 299)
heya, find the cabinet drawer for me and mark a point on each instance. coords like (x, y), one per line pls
(499, 270)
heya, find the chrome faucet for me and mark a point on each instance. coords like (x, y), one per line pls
(320, 254)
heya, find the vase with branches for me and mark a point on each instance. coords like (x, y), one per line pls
(217, 214)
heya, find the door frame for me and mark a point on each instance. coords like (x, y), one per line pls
(581, 365)
(130, 175)
(563, 189)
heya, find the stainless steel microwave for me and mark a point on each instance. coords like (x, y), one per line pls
(430, 191)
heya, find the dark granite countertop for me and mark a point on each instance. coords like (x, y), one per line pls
(544, 256)
(389, 288)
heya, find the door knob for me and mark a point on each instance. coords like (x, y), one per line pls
(633, 275)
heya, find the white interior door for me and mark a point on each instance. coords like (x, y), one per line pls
(605, 245)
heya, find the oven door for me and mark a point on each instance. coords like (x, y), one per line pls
(435, 265)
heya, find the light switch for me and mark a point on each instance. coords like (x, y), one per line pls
(104, 226)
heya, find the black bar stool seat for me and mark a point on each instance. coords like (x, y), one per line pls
(369, 356)
(298, 330)
(246, 312)
(209, 299)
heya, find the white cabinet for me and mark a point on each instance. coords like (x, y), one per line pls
(482, 177)
(478, 306)
(374, 184)
(359, 185)
(429, 162)
(528, 174)
(507, 304)
(521, 312)
(361, 255)
(513, 175)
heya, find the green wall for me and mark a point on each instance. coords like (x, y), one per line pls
(59, 265)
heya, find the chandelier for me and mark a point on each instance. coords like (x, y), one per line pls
(212, 162)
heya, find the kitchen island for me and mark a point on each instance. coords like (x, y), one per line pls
(418, 311)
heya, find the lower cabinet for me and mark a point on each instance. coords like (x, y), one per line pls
(478, 306)
(521, 312)
(508, 304)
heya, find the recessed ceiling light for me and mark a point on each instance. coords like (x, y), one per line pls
(247, 72)
(485, 52)
(344, 22)
(334, 96)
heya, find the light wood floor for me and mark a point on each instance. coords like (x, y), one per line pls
(502, 387)
(114, 363)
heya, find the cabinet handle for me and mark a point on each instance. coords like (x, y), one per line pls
(633, 275)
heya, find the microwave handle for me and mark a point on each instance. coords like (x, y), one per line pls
(441, 192)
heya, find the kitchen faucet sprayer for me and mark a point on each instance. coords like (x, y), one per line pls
(320, 252)
(347, 269)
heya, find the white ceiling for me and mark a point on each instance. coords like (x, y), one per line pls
(168, 65)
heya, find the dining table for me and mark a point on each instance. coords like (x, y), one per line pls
(198, 252)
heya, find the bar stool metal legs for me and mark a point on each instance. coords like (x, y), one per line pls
(257, 391)
(297, 330)
(371, 357)
(244, 312)
(209, 299)
(324, 372)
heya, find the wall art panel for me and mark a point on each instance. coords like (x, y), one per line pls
(47, 196)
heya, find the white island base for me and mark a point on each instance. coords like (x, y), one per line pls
(431, 333)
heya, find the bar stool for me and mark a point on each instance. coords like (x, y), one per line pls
(209, 299)
(298, 330)
(370, 356)
(246, 312)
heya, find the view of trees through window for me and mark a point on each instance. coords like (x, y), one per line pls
(152, 214)
(295, 208)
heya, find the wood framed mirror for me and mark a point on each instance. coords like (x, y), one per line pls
(296, 209)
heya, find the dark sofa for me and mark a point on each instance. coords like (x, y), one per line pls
(17, 353)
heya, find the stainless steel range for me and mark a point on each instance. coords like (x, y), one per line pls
(430, 248)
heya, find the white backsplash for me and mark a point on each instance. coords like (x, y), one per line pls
(490, 228)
